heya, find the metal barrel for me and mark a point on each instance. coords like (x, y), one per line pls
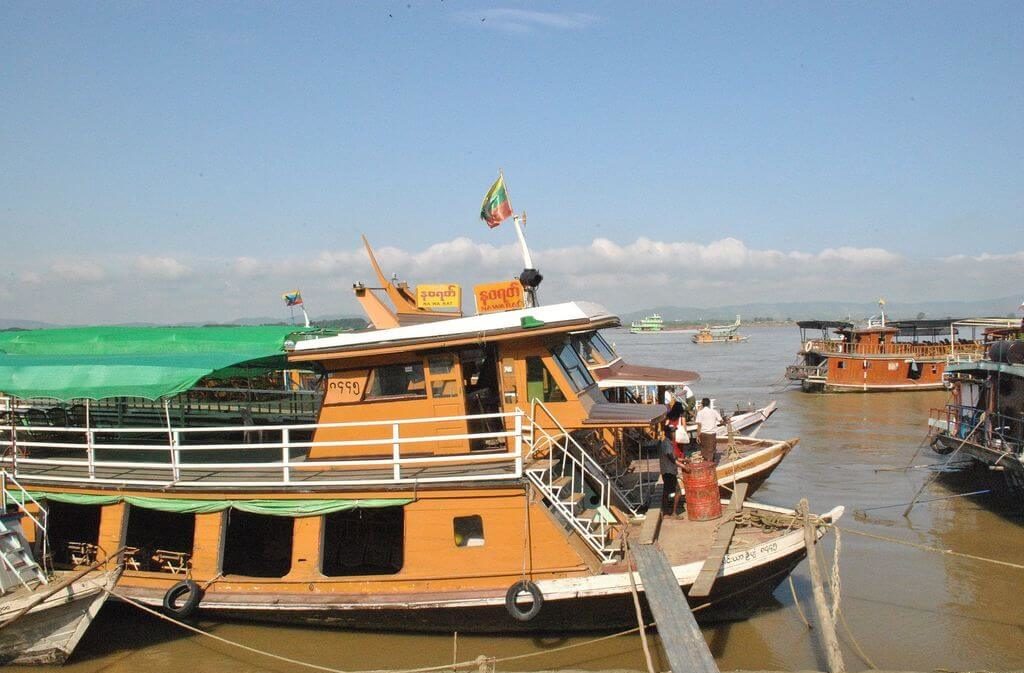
(703, 501)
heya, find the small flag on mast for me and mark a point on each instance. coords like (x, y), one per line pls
(496, 207)
(293, 298)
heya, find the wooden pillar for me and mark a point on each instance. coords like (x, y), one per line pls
(306, 536)
(208, 544)
(827, 627)
(113, 525)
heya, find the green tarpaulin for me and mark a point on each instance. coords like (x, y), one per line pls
(149, 362)
(289, 508)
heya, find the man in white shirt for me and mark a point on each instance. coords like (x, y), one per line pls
(707, 424)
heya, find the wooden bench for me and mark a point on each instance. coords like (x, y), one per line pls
(176, 562)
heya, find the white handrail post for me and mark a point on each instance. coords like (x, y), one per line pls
(285, 457)
(176, 455)
(519, 443)
(396, 452)
(90, 451)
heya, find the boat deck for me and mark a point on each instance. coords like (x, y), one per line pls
(197, 477)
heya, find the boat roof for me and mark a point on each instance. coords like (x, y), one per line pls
(148, 362)
(570, 316)
(824, 324)
(987, 366)
(621, 375)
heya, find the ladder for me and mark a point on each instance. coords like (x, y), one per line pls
(575, 486)
(17, 563)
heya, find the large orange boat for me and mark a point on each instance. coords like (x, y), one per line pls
(902, 355)
(422, 477)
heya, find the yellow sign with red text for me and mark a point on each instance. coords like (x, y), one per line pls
(504, 296)
(439, 296)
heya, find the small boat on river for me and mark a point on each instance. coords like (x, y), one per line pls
(984, 421)
(715, 334)
(421, 477)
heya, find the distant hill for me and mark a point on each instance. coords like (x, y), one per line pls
(832, 310)
(8, 323)
(327, 321)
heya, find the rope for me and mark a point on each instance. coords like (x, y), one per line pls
(796, 602)
(923, 547)
(935, 475)
(835, 584)
(636, 606)
(856, 645)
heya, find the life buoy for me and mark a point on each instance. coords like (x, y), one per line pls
(512, 604)
(808, 346)
(192, 595)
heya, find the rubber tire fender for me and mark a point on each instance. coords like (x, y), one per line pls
(523, 586)
(191, 591)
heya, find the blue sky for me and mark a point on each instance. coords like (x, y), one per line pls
(177, 161)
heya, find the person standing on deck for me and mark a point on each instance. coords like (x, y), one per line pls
(707, 422)
(669, 476)
(674, 416)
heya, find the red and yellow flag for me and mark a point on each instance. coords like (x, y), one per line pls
(496, 207)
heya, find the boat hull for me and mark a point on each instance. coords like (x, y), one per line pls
(582, 608)
(49, 632)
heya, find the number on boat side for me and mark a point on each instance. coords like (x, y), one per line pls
(346, 387)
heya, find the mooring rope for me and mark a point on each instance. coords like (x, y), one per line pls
(937, 550)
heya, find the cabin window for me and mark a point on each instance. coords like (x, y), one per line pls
(396, 381)
(159, 541)
(364, 542)
(540, 384)
(573, 368)
(841, 364)
(442, 376)
(73, 531)
(469, 531)
(257, 545)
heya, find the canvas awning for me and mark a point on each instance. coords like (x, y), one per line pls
(288, 508)
(149, 362)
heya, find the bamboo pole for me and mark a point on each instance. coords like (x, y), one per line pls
(827, 627)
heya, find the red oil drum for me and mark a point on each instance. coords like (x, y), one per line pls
(703, 502)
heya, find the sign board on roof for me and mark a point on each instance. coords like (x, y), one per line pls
(439, 296)
(504, 296)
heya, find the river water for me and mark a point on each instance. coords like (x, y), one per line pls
(909, 609)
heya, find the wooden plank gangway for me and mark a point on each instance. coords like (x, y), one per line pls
(684, 644)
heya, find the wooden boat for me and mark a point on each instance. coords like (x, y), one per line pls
(881, 356)
(413, 478)
(49, 632)
(985, 418)
(42, 617)
(714, 334)
(651, 323)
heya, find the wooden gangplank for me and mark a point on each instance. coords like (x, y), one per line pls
(684, 644)
(723, 536)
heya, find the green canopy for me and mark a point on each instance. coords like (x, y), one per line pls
(149, 362)
(289, 508)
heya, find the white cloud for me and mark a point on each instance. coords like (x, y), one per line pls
(166, 268)
(80, 271)
(526, 21)
(623, 276)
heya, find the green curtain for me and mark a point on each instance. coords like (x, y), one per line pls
(289, 508)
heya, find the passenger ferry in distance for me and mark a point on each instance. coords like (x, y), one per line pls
(423, 477)
(901, 355)
(651, 323)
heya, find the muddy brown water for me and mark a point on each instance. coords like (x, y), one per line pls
(909, 609)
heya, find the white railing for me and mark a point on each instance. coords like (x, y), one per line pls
(560, 457)
(170, 459)
(22, 497)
